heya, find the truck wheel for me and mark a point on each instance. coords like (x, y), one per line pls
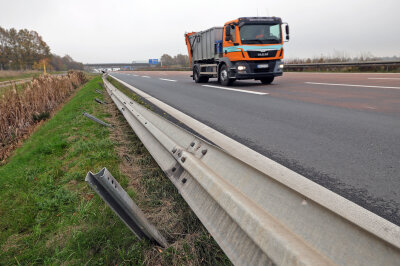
(267, 80)
(223, 76)
(197, 77)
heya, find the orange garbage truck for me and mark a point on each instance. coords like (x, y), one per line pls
(245, 48)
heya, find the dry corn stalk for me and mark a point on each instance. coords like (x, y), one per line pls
(21, 110)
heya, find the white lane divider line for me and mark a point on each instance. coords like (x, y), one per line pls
(229, 89)
(145, 76)
(386, 78)
(134, 75)
(169, 80)
(352, 85)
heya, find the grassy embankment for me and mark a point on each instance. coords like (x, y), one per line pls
(10, 79)
(49, 215)
(6, 75)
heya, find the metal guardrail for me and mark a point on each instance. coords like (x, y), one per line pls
(119, 201)
(344, 64)
(95, 119)
(258, 211)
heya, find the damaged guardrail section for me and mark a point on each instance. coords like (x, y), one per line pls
(256, 219)
(119, 201)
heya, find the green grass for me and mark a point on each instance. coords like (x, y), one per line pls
(14, 75)
(49, 215)
(128, 92)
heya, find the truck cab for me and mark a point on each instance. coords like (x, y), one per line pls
(245, 48)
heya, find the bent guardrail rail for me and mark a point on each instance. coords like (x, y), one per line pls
(119, 201)
(258, 211)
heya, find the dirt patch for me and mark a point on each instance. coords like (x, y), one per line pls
(61, 238)
(13, 241)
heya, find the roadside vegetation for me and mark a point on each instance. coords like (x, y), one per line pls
(11, 75)
(343, 57)
(49, 215)
(26, 50)
(26, 105)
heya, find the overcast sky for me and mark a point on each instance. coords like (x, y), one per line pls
(122, 31)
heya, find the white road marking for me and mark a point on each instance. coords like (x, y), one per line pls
(134, 75)
(370, 107)
(352, 85)
(341, 73)
(385, 78)
(145, 76)
(168, 80)
(228, 89)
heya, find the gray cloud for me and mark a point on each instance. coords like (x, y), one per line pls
(111, 31)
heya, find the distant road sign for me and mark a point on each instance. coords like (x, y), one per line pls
(153, 61)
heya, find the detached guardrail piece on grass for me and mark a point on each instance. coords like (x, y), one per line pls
(100, 101)
(119, 201)
(96, 119)
(99, 92)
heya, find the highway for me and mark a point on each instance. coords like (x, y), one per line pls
(340, 130)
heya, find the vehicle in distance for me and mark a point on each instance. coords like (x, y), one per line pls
(245, 48)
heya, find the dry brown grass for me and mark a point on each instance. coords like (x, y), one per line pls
(20, 110)
(14, 73)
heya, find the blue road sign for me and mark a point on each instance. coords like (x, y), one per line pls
(153, 61)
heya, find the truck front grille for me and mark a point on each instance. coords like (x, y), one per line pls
(258, 54)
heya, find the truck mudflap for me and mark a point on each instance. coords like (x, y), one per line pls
(256, 69)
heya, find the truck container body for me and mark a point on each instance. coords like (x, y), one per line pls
(245, 48)
(204, 44)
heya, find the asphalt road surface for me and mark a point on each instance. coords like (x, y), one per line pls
(340, 130)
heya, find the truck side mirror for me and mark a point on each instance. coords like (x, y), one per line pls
(287, 31)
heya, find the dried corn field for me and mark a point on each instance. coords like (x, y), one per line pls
(21, 110)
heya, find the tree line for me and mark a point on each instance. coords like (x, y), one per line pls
(26, 50)
(177, 60)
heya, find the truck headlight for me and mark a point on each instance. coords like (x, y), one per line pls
(241, 68)
(281, 66)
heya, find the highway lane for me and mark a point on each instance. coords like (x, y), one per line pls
(339, 130)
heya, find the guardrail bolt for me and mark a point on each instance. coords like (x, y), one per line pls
(192, 144)
(173, 150)
(184, 180)
(204, 152)
(183, 159)
(179, 154)
(173, 169)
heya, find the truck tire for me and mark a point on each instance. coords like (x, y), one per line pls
(267, 80)
(197, 77)
(223, 77)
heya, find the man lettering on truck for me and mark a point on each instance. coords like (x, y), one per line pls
(245, 48)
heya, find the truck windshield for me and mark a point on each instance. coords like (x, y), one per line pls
(251, 34)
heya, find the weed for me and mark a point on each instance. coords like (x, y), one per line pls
(21, 110)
